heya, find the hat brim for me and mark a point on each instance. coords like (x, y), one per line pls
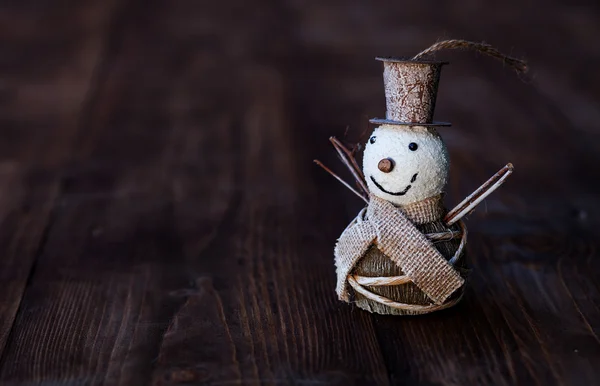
(379, 121)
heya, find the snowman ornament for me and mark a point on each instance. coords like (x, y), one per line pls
(404, 253)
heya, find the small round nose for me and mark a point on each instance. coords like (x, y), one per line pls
(386, 165)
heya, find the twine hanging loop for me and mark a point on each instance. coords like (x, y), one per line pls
(456, 44)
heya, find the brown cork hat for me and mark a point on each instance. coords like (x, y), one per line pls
(410, 91)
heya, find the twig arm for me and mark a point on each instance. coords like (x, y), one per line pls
(342, 181)
(348, 159)
(469, 203)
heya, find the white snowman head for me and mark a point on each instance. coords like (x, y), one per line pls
(405, 164)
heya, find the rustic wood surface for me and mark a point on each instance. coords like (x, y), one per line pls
(162, 222)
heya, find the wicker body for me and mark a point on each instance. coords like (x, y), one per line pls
(377, 264)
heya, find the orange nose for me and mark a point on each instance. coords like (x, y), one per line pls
(386, 165)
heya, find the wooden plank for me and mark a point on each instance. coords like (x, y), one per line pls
(94, 309)
(96, 305)
(40, 106)
(25, 211)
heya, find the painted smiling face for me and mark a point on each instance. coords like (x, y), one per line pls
(405, 165)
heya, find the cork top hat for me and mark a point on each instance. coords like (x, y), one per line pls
(410, 92)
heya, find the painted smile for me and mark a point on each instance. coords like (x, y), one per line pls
(402, 193)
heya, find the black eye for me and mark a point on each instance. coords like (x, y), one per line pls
(413, 146)
(372, 139)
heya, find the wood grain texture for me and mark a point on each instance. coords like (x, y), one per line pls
(161, 221)
(41, 103)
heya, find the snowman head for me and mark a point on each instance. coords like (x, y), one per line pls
(405, 164)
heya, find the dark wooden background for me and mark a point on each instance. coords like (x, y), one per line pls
(162, 222)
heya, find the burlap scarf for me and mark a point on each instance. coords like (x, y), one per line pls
(390, 229)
